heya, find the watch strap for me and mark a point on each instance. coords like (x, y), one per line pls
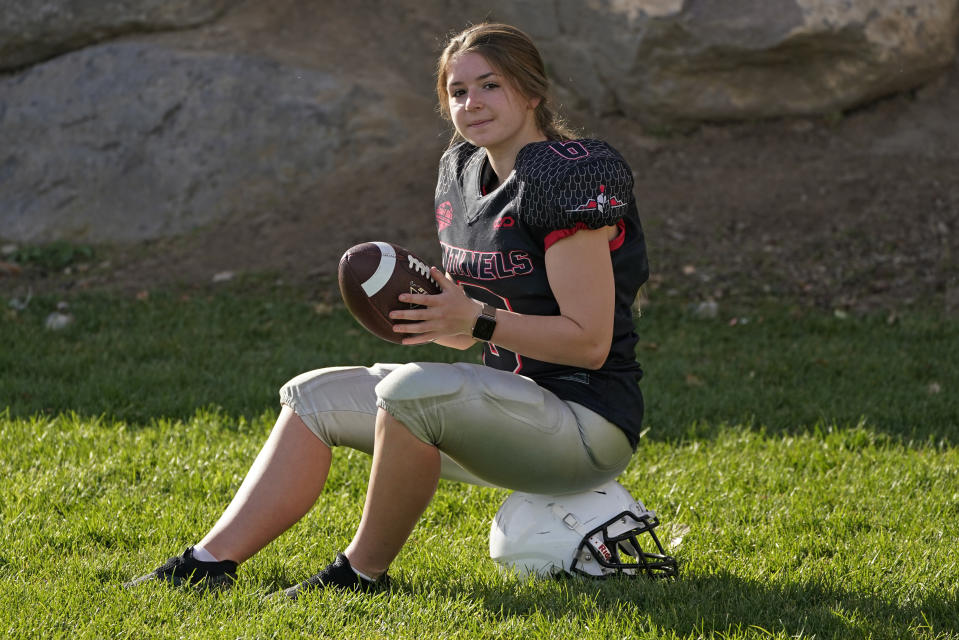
(485, 323)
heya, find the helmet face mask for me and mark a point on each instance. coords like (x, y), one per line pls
(602, 552)
(595, 533)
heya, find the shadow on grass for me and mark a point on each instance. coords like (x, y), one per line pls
(137, 360)
(723, 603)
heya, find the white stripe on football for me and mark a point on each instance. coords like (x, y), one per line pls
(383, 271)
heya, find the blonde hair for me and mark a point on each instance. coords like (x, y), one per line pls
(513, 54)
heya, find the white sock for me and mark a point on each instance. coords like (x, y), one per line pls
(363, 575)
(201, 554)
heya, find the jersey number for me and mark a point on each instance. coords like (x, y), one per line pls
(571, 150)
(496, 357)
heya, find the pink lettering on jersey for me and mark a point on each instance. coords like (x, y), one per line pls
(520, 262)
(488, 266)
(485, 265)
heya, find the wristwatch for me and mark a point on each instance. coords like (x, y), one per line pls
(485, 323)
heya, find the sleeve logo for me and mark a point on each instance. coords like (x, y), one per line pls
(602, 203)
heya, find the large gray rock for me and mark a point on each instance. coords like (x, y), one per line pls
(675, 61)
(127, 141)
(36, 30)
(133, 140)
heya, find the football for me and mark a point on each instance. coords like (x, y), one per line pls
(372, 275)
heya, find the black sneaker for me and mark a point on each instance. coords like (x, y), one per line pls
(338, 574)
(185, 569)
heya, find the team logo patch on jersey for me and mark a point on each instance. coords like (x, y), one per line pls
(602, 203)
(444, 215)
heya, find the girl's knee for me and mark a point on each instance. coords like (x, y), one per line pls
(414, 395)
(417, 381)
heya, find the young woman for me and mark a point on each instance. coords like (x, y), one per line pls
(543, 255)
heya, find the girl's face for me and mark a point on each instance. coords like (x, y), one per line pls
(485, 108)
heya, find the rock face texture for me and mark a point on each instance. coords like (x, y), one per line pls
(670, 62)
(34, 31)
(125, 120)
(131, 141)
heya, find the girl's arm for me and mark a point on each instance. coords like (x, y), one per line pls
(580, 274)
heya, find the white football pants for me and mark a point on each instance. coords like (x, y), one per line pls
(492, 427)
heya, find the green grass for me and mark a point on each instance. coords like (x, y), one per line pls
(787, 371)
(812, 459)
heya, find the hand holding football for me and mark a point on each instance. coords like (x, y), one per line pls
(372, 275)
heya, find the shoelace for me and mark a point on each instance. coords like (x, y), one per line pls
(171, 565)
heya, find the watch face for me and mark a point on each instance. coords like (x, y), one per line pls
(483, 330)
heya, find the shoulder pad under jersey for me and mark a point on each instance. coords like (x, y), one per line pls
(578, 181)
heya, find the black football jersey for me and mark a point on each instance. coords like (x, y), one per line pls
(494, 244)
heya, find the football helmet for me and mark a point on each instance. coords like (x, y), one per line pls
(594, 533)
